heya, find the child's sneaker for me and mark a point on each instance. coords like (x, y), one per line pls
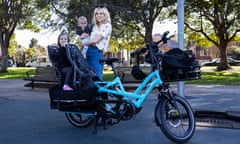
(67, 88)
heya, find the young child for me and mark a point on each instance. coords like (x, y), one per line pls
(83, 29)
(64, 64)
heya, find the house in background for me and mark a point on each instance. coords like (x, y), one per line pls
(204, 54)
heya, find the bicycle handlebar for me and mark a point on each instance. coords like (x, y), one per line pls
(164, 38)
(152, 44)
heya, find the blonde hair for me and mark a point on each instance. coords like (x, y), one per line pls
(107, 18)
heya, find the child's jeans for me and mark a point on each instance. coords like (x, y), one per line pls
(67, 72)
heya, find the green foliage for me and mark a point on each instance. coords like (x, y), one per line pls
(13, 45)
(200, 39)
(30, 53)
(108, 76)
(237, 38)
(34, 15)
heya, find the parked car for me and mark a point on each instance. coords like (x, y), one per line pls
(216, 61)
(39, 61)
(9, 63)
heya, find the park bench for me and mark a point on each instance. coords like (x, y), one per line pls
(45, 77)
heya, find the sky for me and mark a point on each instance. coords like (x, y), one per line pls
(167, 26)
(45, 37)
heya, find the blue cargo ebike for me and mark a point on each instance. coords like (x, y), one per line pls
(173, 114)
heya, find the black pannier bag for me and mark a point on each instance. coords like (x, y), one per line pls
(177, 65)
(67, 100)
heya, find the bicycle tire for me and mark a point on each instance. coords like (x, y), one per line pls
(172, 122)
(79, 120)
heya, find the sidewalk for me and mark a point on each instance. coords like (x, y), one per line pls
(214, 97)
(215, 105)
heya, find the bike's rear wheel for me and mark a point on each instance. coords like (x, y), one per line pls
(79, 120)
(178, 124)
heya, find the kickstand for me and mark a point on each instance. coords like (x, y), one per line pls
(104, 120)
(95, 121)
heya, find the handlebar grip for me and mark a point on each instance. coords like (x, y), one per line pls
(164, 37)
(165, 33)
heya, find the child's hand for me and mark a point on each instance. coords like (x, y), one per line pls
(84, 35)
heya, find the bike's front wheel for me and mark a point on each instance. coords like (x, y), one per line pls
(176, 122)
(79, 120)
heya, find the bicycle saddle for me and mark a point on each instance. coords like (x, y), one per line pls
(108, 61)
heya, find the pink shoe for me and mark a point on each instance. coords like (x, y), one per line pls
(67, 88)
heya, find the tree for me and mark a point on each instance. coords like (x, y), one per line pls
(12, 50)
(216, 20)
(137, 15)
(20, 56)
(143, 14)
(33, 43)
(24, 14)
(34, 50)
(30, 53)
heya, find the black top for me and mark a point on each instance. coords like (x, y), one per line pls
(88, 29)
(62, 58)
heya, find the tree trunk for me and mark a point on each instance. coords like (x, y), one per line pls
(4, 50)
(148, 32)
(223, 63)
(4, 59)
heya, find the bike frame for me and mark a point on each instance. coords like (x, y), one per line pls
(137, 97)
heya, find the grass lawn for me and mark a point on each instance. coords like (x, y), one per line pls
(209, 75)
(221, 78)
(17, 73)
